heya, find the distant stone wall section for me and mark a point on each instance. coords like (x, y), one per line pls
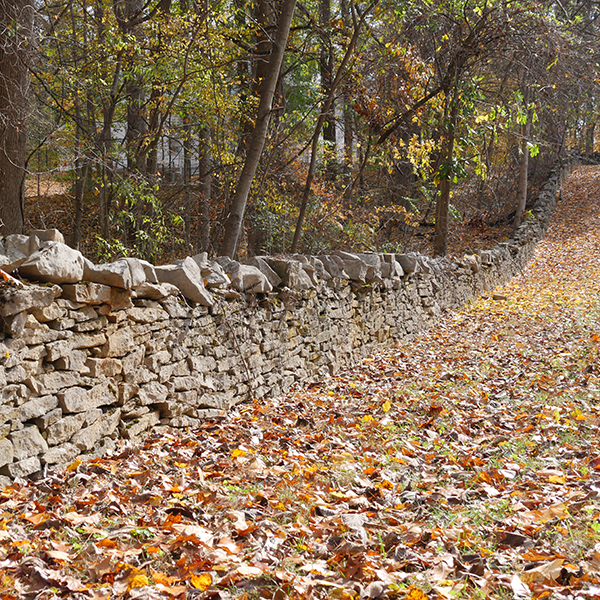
(136, 347)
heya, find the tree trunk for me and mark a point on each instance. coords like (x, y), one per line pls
(205, 168)
(523, 164)
(233, 225)
(440, 240)
(326, 72)
(16, 20)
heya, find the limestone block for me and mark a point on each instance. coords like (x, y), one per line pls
(47, 419)
(333, 265)
(130, 429)
(152, 392)
(188, 383)
(408, 262)
(63, 430)
(17, 300)
(54, 262)
(119, 343)
(22, 468)
(14, 251)
(265, 269)
(125, 273)
(96, 293)
(175, 308)
(291, 273)
(147, 315)
(87, 438)
(186, 276)
(155, 291)
(37, 237)
(27, 442)
(91, 325)
(158, 358)
(213, 274)
(127, 391)
(37, 407)
(49, 313)
(149, 272)
(104, 367)
(6, 452)
(78, 399)
(65, 453)
(245, 278)
(74, 361)
(133, 360)
(50, 383)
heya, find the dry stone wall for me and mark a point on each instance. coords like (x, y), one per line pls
(99, 352)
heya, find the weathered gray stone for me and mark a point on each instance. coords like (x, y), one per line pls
(291, 273)
(119, 343)
(186, 276)
(96, 293)
(6, 452)
(27, 442)
(65, 453)
(50, 383)
(245, 278)
(334, 265)
(155, 291)
(87, 438)
(261, 264)
(37, 407)
(213, 274)
(152, 392)
(47, 419)
(353, 265)
(104, 367)
(54, 262)
(14, 251)
(125, 273)
(130, 429)
(16, 300)
(22, 468)
(63, 430)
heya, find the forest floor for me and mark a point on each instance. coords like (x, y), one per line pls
(465, 464)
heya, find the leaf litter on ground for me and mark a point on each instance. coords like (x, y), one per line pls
(464, 464)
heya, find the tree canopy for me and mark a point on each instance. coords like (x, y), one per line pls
(270, 126)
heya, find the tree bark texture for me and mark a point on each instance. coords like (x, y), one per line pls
(16, 20)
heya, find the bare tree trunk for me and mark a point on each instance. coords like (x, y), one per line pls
(205, 168)
(16, 20)
(440, 240)
(326, 72)
(233, 225)
(523, 165)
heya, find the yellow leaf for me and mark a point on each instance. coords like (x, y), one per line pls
(386, 406)
(138, 580)
(557, 479)
(238, 452)
(201, 582)
(416, 594)
(73, 466)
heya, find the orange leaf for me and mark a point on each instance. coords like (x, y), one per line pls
(201, 582)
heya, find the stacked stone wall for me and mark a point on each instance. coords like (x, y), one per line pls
(82, 364)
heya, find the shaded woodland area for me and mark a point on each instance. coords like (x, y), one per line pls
(165, 128)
